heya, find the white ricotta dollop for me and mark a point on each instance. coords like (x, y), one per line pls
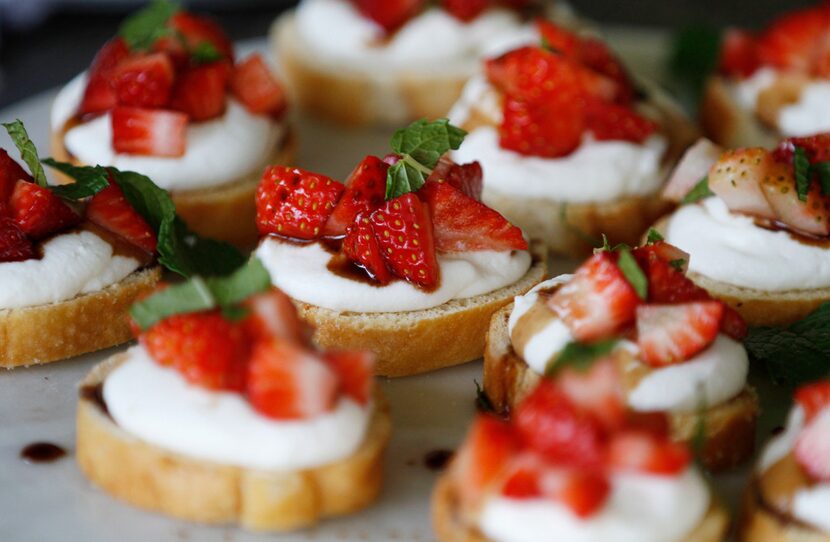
(157, 405)
(72, 264)
(730, 248)
(301, 272)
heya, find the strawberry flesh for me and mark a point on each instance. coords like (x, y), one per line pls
(813, 398)
(253, 83)
(361, 246)
(738, 54)
(669, 334)
(389, 14)
(614, 122)
(355, 370)
(152, 132)
(38, 212)
(365, 191)
(273, 315)
(99, 95)
(15, 246)
(812, 448)
(143, 80)
(641, 451)
(111, 210)
(10, 173)
(200, 91)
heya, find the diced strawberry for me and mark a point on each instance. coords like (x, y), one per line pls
(812, 448)
(661, 250)
(286, 381)
(669, 334)
(523, 477)
(99, 96)
(365, 192)
(596, 55)
(597, 301)
(361, 246)
(609, 121)
(791, 41)
(389, 14)
(199, 91)
(403, 229)
(111, 210)
(468, 178)
(817, 148)
(813, 398)
(208, 350)
(811, 217)
(654, 423)
(641, 451)
(597, 390)
(294, 202)
(38, 212)
(355, 370)
(463, 224)
(558, 39)
(143, 80)
(274, 316)
(465, 10)
(738, 53)
(15, 246)
(583, 491)
(253, 83)
(484, 456)
(736, 179)
(198, 29)
(10, 173)
(691, 168)
(548, 130)
(153, 132)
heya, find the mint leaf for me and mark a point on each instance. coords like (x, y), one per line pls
(89, 180)
(205, 53)
(801, 166)
(404, 177)
(822, 170)
(579, 355)
(693, 57)
(141, 29)
(632, 273)
(678, 264)
(654, 236)
(698, 192)
(28, 151)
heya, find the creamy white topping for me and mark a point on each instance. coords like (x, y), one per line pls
(640, 508)
(730, 248)
(157, 405)
(218, 151)
(746, 91)
(72, 264)
(301, 272)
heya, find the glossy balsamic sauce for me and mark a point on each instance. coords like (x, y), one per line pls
(437, 459)
(799, 237)
(95, 394)
(42, 452)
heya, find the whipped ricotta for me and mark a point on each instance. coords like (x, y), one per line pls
(72, 264)
(157, 405)
(301, 272)
(729, 247)
(218, 151)
(640, 508)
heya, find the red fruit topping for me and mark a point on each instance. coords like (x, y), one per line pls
(583, 491)
(597, 391)
(198, 29)
(253, 83)
(365, 192)
(152, 132)
(466, 177)
(644, 452)
(15, 246)
(615, 122)
(811, 217)
(294, 202)
(465, 10)
(200, 91)
(689, 170)
(817, 147)
(669, 334)
(99, 95)
(38, 212)
(361, 246)
(143, 80)
(463, 224)
(403, 229)
(10, 173)
(483, 458)
(389, 14)
(792, 41)
(111, 210)
(738, 53)
(549, 130)
(355, 370)
(736, 179)
(663, 251)
(273, 316)
(286, 381)
(812, 449)
(813, 398)
(523, 478)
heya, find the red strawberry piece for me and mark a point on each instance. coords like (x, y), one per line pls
(641, 451)
(663, 251)
(365, 192)
(99, 96)
(294, 202)
(813, 398)
(523, 478)
(654, 423)
(616, 122)
(669, 334)
(817, 148)
(738, 53)
(403, 229)
(208, 350)
(15, 246)
(153, 132)
(484, 457)
(389, 14)
(598, 300)
(143, 80)
(736, 179)
(812, 448)
(549, 130)
(597, 390)
(583, 491)
(466, 177)
(355, 370)
(286, 381)
(253, 83)
(465, 10)
(811, 217)
(274, 316)
(361, 246)
(463, 224)
(10, 173)
(549, 422)
(200, 91)
(558, 39)
(198, 29)
(792, 40)
(691, 168)
(38, 212)
(111, 210)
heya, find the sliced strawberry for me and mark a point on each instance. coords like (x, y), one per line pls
(609, 121)
(361, 246)
(294, 202)
(143, 80)
(38, 212)
(484, 457)
(691, 168)
(523, 477)
(253, 83)
(465, 10)
(817, 148)
(10, 173)
(463, 224)
(208, 350)
(597, 301)
(736, 179)
(583, 491)
(355, 370)
(111, 210)
(389, 14)
(273, 316)
(811, 217)
(663, 251)
(365, 192)
(153, 132)
(641, 451)
(199, 91)
(466, 177)
(548, 130)
(669, 334)
(813, 398)
(286, 381)
(403, 229)
(791, 41)
(597, 390)
(738, 53)
(15, 246)
(196, 30)
(812, 449)
(99, 96)
(558, 39)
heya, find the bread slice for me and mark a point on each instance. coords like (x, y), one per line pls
(725, 122)
(408, 343)
(150, 477)
(729, 428)
(450, 526)
(86, 323)
(759, 522)
(226, 212)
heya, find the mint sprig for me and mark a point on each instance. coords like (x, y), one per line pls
(28, 151)
(580, 355)
(822, 171)
(88, 180)
(698, 192)
(653, 236)
(801, 168)
(141, 29)
(204, 53)
(632, 273)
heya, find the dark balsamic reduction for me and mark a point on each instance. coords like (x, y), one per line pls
(42, 452)
(437, 459)
(800, 237)
(95, 394)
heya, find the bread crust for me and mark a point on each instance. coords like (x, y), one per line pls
(173, 484)
(760, 524)
(725, 122)
(408, 343)
(729, 427)
(86, 323)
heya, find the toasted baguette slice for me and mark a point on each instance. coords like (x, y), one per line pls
(86, 323)
(150, 477)
(408, 343)
(226, 212)
(725, 122)
(449, 525)
(729, 427)
(759, 522)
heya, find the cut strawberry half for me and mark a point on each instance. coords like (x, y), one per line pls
(465, 10)
(813, 398)
(811, 217)
(389, 14)
(812, 449)
(484, 457)
(38, 212)
(523, 477)
(253, 83)
(111, 210)
(549, 130)
(365, 191)
(736, 179)
(355, 370)
(466, 177)
(668, 334)
(143, 80)
(196, 30)
(273, 316)
(641, 451)
(361, 246)
(691, 168)
(294, 202)
(10, 173)
(609, 121)
(200, 91)
(597, 390)
(99, 95)
(584, 492)
(15, 246)
(151, 132)
(738, 53)
(463, 224)
(287, 382)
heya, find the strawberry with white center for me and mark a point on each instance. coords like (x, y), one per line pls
(812, 447)
(38, 212)
(147, 131)
(670, 334)
(111, 210)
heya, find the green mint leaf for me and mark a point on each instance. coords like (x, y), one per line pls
(698, 192)
(246, 281)
(579, 355)
(89, 180)
(822, 170)
(654, 236)
(427, 141)
(801, 166)
(678, 264)
(632, 273)
(205, 53)
(403, 178)
(28, 151)
(693, 57)
(483, 402)
(141, 29)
